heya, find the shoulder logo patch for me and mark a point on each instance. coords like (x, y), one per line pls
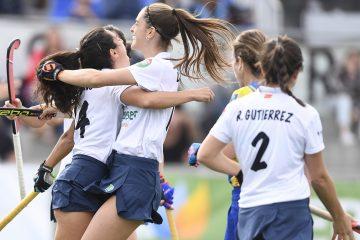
(144, 63)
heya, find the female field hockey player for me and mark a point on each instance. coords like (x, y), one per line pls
(246, 49)
(134, 180)
(95, 127)
(274, 135)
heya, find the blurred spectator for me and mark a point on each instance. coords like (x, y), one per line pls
(39, 46)
(11, 7)
(348, 99)
(181, 134)
(228, 10)
(61, 10)
(124, 9)
(212, 111)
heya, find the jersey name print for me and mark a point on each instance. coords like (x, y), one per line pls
(264, 114)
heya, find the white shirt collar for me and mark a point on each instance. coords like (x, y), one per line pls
(270, 89)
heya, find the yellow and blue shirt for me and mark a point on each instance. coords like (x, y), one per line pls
(238, 93)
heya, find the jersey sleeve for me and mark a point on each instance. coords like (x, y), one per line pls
(116, 92)
(314, 138)
(222, 128)
(147, 74)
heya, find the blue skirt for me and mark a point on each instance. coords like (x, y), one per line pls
(68, 193)
(280, 221)
(136, 183)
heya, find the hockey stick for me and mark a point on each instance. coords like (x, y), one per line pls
(172, 226)
(17, 209)
(15, 112)
(16, 136)
(326, 215)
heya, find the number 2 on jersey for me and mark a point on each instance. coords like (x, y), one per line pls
(83, 120)
(258, 165)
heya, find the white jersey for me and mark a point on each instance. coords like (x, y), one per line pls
(143, 131)
(270, 132)
(96, 121)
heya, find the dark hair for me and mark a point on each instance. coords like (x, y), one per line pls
(248, 46)
(204, 36)
(280, 59)
(64, 96)
(121, 35)
(94, 52)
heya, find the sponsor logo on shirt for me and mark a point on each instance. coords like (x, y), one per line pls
(129, 115)
(144, 63)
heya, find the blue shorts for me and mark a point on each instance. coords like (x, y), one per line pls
(136, 183)
(68, 193)
(232, 218)
(281, 221)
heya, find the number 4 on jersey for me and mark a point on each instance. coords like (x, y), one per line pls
(258, 165)
(83, 120)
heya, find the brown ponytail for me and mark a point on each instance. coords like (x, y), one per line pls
(201, 39)
(280, 59)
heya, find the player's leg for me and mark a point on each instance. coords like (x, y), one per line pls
(108, 225)
(71, 225)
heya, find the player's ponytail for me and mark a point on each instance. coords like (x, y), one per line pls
(281, 59)
(201, 39)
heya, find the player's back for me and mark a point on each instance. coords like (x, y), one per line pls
(271, 132)
(97, 121)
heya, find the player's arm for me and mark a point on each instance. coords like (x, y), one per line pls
(325, 189)
(52, 71)
(95, 78)
(62, 148)
(43, 179)
(210, 154)
(137, 96)
(229, 151)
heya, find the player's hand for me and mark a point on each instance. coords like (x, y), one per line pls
(43, 179)
(202, 94)
(192, 154)
(167, 198)
(48, 113)
(343, 229)
(49, 71)
(15, 104)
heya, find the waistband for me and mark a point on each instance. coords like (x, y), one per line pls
(135, 161)
(296, 203)
(81, 159)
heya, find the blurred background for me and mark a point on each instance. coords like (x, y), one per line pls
(329, 34)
